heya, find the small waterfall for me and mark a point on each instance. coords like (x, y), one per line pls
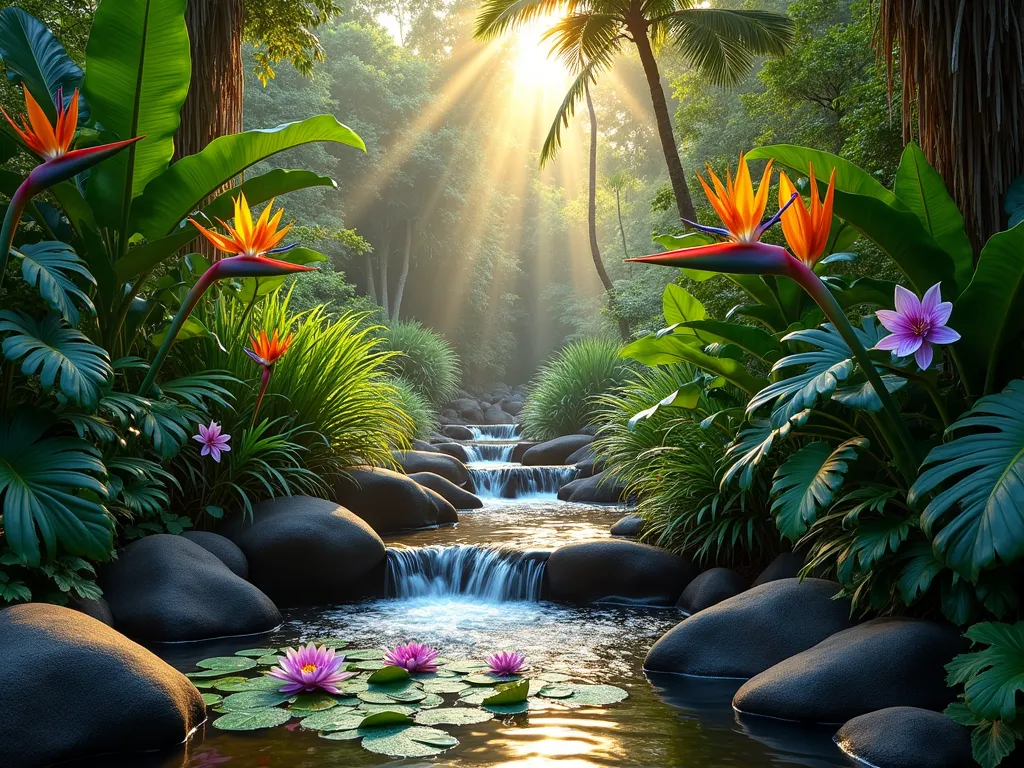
(517, 482)
(490, 574)
(494, 431)
(489, 453)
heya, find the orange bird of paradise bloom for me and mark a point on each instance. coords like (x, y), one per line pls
(47, 141)
(737, 205)
(246, 238)
(807, 229)
(267, 350)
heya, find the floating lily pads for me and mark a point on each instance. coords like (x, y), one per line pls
(222, 664)
(508, 709)
(370, 709)
(555, 692)
(388, 675)
(248, 700)
(509, 693)
(208, 673)
(353, 686)
(476, 696)
(430, 700)
(212, 699)
(312, 702)
(593, 695)
(364, 654)
(329, 642)
(407, 741)
(368, 665)
(487, 679)
(373, 697)
(445, 685)
(465, 667)
(453, 716)
(553, 677)
(335, 719)
(342, 735)
(237, 684)
(256, 652)
(385, 717)
(269, 660)
(228, 683)
(252, 720)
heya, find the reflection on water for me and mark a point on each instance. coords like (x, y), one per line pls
(668, 721)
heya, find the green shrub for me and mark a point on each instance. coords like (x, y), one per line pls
(673, 465)
(422, 414)
(426, 360)
(562, 395)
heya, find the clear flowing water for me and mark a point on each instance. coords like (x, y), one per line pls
(514, 481)
(471, 590)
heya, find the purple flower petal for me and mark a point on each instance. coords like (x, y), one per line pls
(924, 356)
(906, 302)
(908, 345)
(893, 321)
(931, 300)
(942, 335)
(940, 316)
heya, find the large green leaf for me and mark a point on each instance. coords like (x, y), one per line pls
(989, 315)
(749, 338)
(922, 190)
(753, 445)
(992, 677)
(137, 75)
(679, 305)
(980, 517)
(41, 479)
(876, 213)
(51, 266)
(34, 57)
(55, 352)
(257, 190)
(670, 348)
(807, 483)
(179, 190)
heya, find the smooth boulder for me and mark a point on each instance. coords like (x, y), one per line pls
(455, 450)
(447, 514)
(710, 588)
(457, 497)
(906, 737)
(307, 551)
(616, 570)
(96, 607)
(388, 501)
(746, 634)
(786, 566)
(165, 588)
(520, 450)
(224, 548)
(628, 526)
(457, 432)
(888, 662)
(439, 463)
(602, 488)
(74, 688)
(555, 451)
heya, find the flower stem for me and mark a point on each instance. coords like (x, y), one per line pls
(264, 383)
(14, 210)
(900, 442)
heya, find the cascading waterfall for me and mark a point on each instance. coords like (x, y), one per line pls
(494, 431)
(489, 453)
(486, 573)
(517, 482)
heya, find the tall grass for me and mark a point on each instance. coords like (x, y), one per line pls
(674, 466)
(422, 413)
(562, 396)
(426, 360)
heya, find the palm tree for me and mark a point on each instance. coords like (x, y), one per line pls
(589, 34)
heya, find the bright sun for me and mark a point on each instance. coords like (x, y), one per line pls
(533, 66)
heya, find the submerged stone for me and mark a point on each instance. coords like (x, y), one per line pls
(457, 497)
(906, 737)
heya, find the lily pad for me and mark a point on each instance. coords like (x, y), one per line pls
(556, 692)
(212, 699)
(353, 686)
(261, 683)
(552, 677)
(221, 664)
(228, 683)
(342, 735)
(368, 665)
(476, 696)
(445, 685)
(453, 716)
(251, 720)
(203, 684)
(334, 719)
(372, 709)
(373, 697)
(313, 702)
(510, 693)
(388, 675)
(429, 701)
(465, 667)
(208, 673)
(407, 741)
(385, 717)
(488, 679)
(364, 654)
(595, 695)
(249, 700)
(269, 660)
(256, 652)
(507, 709)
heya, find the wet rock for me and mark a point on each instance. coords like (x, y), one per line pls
(440, 464)
(616, 570)
(495, 415)
(906, 737)
(224, 548)
(555, 451)
(602, 488)
(446, 512)
(166, 588)
(75, 688)
(97, 608)
(388, 501)
(457, 497)
(889, 662)
(422, 445)
(520, 450)
(586, 453)
(628, 525)
(306, 551)
(785, 566)
(512, 407)
(710, 588)
(455, 450)
(746, 634)
(457, 432)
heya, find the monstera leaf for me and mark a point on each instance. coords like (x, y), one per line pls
(58, 354)
(42, 481)
(752, 446)
(50, 266)
(980, 517)
(808, 481)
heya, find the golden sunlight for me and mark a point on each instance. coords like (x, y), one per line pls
(533, 65)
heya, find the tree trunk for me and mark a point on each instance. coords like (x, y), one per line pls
(382, 266)
(400, 288)
(371, 283)
(684, 204)
(622, 230)
(595, 249)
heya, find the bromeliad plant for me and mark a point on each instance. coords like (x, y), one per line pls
(898, 453)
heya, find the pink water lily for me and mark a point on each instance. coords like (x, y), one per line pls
(505, 663)
(414, 657)
(214, 441)
(311, 668)
(916, 325)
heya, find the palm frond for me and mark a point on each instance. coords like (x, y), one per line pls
(497, 17)
(575, 94)
(583, 37)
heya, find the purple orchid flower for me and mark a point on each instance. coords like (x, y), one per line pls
(916, 325)
(414, 657)
(214, 441)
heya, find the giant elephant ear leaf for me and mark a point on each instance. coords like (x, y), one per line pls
(807, 483)
(51, 267)
(41, 482)
(59, 355)
(34, 57)
(980, 517)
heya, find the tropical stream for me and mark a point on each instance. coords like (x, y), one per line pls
(474, 589)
